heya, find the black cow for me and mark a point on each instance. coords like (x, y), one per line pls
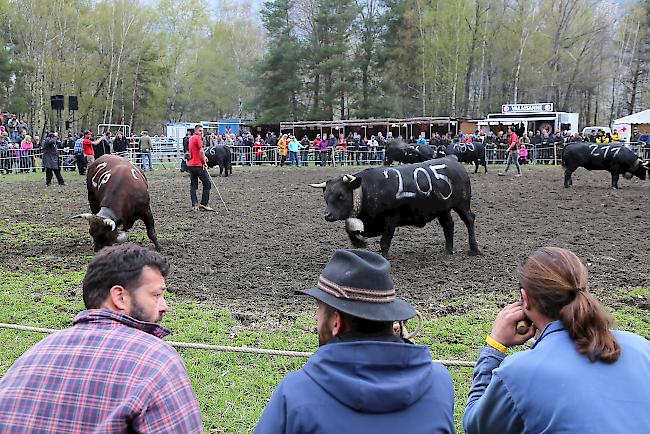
(118, 194)
(473, 152)
(376, 201)
(398, 150)
(218, 155)
(613, 157)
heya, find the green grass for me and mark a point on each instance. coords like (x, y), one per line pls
(12, 234)
(234, 388)
(36, 177)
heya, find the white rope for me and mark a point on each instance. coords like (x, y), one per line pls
(218, 192)
(304, 354)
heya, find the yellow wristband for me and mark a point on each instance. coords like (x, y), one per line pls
(494, 344)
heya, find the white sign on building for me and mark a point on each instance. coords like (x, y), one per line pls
(543, 107)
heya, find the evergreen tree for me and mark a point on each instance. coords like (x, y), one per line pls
(279, 80)
(401, 52)
(371, 30)
(333, 28)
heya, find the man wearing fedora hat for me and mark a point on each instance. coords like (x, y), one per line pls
(363, 378)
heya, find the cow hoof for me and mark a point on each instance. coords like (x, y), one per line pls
(475, 253)
(448, 252)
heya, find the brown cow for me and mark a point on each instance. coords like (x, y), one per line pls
(118, 193)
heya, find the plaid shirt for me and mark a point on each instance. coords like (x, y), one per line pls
(108, 373)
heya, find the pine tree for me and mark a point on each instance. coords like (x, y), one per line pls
(279, 79)
(401, 53)
(333, 27)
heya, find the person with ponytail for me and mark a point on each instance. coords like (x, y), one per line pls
(579, 376)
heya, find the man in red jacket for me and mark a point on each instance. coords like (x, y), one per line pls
(197, 165)
(87, 144)
(513, 152)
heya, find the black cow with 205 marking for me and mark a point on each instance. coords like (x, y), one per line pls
(376, 201)
(612, 157)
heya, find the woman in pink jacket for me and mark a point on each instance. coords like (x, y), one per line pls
(523, 154)
(26, 153)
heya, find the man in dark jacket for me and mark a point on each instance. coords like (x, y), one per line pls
(51, 158)
(363, 378)
(120, 145)
(186, 142)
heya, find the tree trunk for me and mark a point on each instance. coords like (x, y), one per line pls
(470, 62)
(316, 88)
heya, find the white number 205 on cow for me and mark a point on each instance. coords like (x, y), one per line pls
(428, 188)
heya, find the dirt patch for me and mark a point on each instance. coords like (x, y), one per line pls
(275, 240)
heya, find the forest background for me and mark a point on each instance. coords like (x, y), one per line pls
(149, 62)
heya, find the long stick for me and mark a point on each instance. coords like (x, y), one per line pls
(218, 192)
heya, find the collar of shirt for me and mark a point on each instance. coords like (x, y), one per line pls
(109, 318)
(555, 326)
(357, 337)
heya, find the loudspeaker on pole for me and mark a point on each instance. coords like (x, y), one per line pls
(73, 103)
(57, 102)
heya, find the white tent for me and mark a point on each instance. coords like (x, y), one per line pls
(636, 118)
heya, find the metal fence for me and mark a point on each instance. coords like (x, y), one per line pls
(167, 153)
(553, 154)
(270, 155)
(24, 161)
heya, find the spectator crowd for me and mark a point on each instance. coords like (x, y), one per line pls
(22, 152)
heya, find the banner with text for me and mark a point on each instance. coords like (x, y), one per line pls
(543, 107)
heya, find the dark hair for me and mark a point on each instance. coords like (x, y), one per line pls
(361, 325)
(197, 126)
(556, 281)
(118, 265)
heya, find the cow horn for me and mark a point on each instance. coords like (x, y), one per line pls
(349, 178)
(321, 185)
(87, 216)
(110, 223)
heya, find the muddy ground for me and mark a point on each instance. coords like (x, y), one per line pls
(275, 240)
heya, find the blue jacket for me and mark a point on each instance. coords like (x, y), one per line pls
(552, 388)
(363, 387)
(295, 146)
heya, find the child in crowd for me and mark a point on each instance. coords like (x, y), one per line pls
(523, 154)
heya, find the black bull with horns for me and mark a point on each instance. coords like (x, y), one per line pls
(118, 194)
(376, 201)
(400, 151)
(612, 157)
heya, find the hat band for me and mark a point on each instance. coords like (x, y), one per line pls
(349, 293)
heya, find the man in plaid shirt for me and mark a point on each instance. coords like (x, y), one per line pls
(110, 372)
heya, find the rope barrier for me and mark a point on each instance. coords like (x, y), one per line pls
(225, 348)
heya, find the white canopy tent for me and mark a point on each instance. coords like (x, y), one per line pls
(636, 118)
(626, 124)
